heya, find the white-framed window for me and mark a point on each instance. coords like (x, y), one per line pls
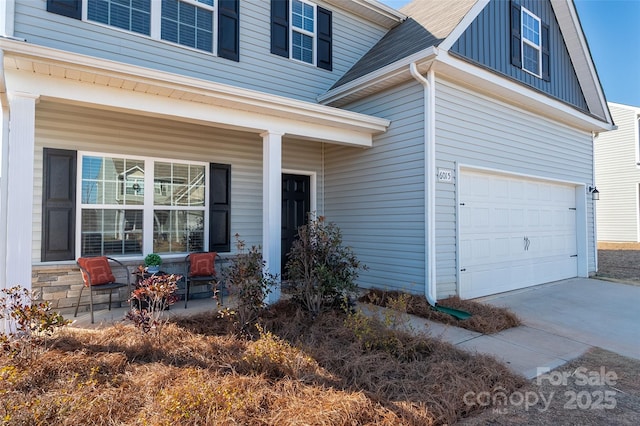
(189, 23)
(119, 217)
(531, 43)
(303, 31)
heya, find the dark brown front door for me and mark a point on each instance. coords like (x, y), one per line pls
(296, 204)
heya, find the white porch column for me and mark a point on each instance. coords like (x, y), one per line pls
(19, 190)
(272, 205)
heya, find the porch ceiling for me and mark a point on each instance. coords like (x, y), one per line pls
(78, 78)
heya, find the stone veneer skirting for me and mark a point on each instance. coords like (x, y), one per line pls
(60, 284)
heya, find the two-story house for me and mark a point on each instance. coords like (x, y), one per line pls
(452, 142)
(617, 161)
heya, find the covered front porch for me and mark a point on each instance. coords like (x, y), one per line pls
(53, 100)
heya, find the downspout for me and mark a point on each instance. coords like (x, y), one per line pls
(4, 184)
(429, 181)
(594, 138)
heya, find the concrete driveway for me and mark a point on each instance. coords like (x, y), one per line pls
(588, 311)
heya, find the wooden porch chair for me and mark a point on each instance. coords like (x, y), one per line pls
(97, 275)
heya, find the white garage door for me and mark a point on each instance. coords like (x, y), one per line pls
(514, 233)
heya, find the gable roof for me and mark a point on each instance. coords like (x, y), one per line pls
(427, 34)
(581, 58)
(430, 22)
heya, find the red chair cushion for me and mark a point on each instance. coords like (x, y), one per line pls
(202, 264)
(99, 270)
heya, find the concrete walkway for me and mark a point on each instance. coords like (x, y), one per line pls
(562, 320)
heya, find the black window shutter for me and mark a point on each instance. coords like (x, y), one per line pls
(229, 29)
(325, 53)
(70, 8)
(58, 205)
(219, 207)
(516, 56)
(280, 27)
(546, 67)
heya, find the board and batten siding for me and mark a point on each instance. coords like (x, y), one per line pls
(478, 131)
(618, 177)
(85, 129)
(487, 42)
(376, 195)
(257, 69)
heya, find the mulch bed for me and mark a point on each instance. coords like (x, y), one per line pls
(333, 369)
(484, 319)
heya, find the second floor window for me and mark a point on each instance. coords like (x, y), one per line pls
(130, 15)
(531, 43)
(188, 23)
(303, 30)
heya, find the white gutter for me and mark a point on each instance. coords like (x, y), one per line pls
(429, 181)
(4, 184)
(371, 10)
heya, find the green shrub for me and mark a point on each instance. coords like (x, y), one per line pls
(321, 271)
(153, 259)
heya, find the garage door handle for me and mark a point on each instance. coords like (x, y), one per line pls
(527, 242)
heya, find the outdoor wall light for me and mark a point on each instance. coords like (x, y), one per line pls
(595, 194)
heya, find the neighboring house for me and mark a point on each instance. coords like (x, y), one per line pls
(451, 141)
(617, 158)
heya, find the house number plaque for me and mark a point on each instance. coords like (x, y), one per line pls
(445, 175)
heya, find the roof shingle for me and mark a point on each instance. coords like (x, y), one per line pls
(429, 22)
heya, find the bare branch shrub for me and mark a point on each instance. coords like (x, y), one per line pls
(30, 323)
(248, 279)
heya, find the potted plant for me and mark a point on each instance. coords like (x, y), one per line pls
(153, 261)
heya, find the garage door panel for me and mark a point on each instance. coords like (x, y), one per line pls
(501, 218)
(517, 219)
(533, 218)
(502, 246)
(531, 191)
(500, 189)
(506, 277)
(516, 190)
(480, 219)
(514, 233)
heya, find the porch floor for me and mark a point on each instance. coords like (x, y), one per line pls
(104, 317)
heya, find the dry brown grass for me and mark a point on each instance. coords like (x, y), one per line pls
(484, 319)
(296, 371)
(605, 245)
